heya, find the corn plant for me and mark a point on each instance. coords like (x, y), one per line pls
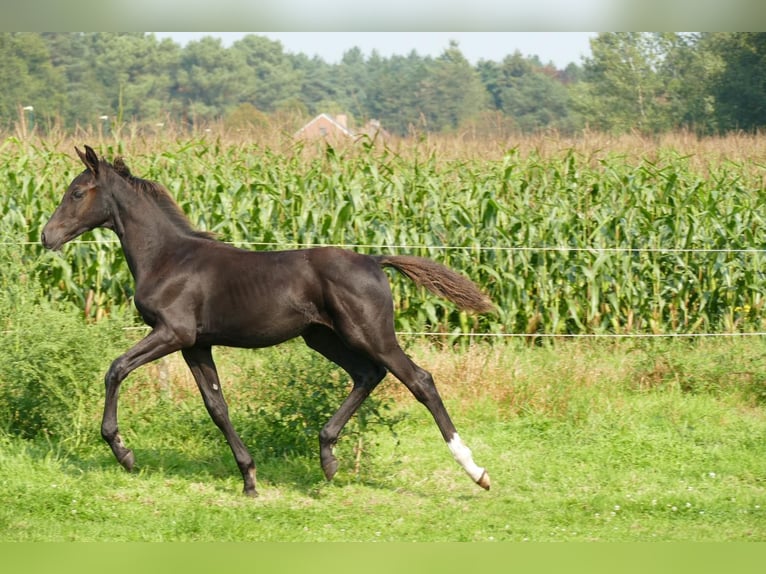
(564, 242)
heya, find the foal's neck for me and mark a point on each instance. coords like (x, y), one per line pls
(147, 233)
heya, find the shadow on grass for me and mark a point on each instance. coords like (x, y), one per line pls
(301, 473)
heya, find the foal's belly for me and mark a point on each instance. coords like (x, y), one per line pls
(263, 327)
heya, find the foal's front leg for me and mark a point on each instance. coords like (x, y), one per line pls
(202, 366)
(158, 343)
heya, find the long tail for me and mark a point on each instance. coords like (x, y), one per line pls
(439, 280)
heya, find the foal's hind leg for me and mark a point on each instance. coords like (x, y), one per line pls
(367, 328)
(200, 361)
(421, 384)
(366, 376)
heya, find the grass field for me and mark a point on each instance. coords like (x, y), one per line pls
(584, 441)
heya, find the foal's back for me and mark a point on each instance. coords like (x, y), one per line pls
(257, 299)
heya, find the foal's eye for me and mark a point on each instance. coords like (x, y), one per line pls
(78, 193)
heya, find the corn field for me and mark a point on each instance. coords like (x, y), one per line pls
(566, 241)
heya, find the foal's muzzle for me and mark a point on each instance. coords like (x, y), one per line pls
(50, 242)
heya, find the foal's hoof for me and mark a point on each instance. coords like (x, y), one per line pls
(128, 460)
(250, 493)
(330, 468)
(484, 481)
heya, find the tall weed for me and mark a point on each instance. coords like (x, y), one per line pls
(51, 362)
(286, 394)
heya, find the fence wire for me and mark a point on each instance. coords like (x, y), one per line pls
(403, 247)
(552, 248)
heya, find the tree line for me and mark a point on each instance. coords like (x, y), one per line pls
(650, 83)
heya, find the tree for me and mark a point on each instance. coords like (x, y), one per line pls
(28, 78)
(531, 95)
(451, 92)
(739, 86)
(353, 83)
(406, 92)
(686, 69)
(621, 89)
(71, 55)
(269, 77)
(649, 82)
(137, 74)
(394, 94)
(317, 82)
(209, 80)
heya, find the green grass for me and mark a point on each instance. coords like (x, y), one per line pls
(591, 452)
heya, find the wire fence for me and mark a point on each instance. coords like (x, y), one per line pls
(438, 334)
(502, 248)
(580, 335)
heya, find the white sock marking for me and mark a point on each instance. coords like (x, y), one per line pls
(463, 455)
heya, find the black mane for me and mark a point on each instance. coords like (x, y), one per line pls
(161, 196)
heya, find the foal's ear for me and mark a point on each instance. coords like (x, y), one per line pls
(89, 158)
(121, 167)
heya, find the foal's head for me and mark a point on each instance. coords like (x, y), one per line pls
(90, 202)
(84, 205)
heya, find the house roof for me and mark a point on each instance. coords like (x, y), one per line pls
(336, 124)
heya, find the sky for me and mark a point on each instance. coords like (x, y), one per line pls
(561, 48)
